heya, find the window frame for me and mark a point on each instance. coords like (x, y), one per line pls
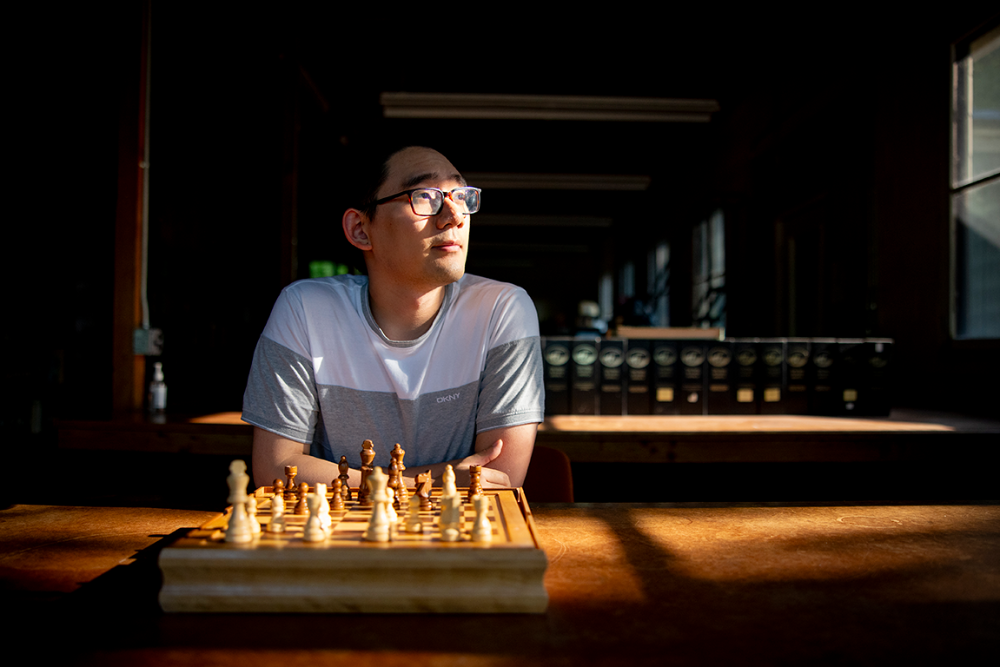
(961, 184)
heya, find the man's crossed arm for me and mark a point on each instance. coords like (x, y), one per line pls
(504, 454)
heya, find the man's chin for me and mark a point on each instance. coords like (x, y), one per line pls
(453, 276)
(445, 274)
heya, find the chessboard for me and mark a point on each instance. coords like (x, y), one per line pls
(411, 573)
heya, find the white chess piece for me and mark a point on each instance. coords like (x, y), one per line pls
(314, 525)
(251, 506)
(451, 518)
(238, 480)
(238, 531)
(390, 511)
(482, 530)
(378, 524)
(413, 524)
(324, 509)
(277, 522)
(451, 507)
(448, 482)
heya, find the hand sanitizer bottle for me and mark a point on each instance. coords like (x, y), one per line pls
(157, 390)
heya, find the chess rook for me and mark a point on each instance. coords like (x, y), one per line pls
(475, 485)
(290, 472)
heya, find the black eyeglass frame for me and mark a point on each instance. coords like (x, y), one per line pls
(409, 197)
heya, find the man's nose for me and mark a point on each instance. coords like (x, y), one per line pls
(450, 214)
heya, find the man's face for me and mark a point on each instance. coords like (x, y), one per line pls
(413, 250)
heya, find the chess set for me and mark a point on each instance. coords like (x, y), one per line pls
(372, 549)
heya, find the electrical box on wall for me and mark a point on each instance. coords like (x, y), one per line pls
(147, 342)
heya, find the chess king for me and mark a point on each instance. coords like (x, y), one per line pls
(416, 352)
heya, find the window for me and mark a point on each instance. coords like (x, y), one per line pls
(708, 296)
(658, 284)
(975, 187)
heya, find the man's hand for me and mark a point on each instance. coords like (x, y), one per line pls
(489, 478)
(507, 451)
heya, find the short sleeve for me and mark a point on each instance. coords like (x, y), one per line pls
(281, 395)
(511, 388)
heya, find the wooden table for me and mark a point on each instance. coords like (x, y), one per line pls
(907, 435)
(628, 584)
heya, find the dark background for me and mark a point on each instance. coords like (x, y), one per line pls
(833, 132)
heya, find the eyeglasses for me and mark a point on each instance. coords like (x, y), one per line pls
(428, 201)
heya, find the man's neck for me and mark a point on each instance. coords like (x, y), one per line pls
(404, 314)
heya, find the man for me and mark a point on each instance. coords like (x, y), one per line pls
(419, 353)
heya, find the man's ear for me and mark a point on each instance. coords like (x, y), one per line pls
(355, 229)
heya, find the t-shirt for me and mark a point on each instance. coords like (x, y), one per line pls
(325, 375)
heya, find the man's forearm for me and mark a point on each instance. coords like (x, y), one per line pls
(504, 465)
(272, 452)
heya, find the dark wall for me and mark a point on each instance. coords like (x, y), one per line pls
(829, 158)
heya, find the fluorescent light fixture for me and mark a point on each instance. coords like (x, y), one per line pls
(501, 220)
(546, 107)
(583, 182)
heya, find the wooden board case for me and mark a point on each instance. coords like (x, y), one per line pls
(279, 572)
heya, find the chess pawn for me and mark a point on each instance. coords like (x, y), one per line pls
(345, 485)
(402, 496)
(278, 488)
(337, 498)
(482, 530)
(324, 508)
(451, 518)
(251, 506)
(393, 477)
(390, 511)
(413, 524)
(314, 524)
(301, 507)
(378, 524)
(277, 522)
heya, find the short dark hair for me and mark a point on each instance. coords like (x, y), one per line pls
(371, 176)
